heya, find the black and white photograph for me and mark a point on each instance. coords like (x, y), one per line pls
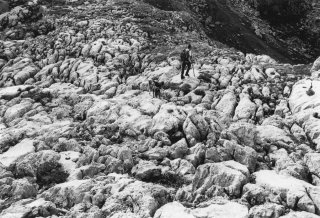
(159, 108)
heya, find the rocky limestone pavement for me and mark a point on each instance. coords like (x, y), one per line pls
(82, 134)
(300, 214)
(215, 179)
(303, 101)
(296, 194)
(17, 151)
(27, 207)
(108, 195)
(216, 209)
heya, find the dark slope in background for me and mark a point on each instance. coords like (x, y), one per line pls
(238, 24)
(235, 31)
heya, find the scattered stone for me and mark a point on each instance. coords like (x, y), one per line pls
(19, 150)
(146, 171)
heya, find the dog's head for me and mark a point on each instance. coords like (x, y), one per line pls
(151, 83)
(159, 84)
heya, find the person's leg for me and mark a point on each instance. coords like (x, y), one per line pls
(183, 66)
(188, 68)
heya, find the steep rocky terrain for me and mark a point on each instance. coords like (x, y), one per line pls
(82, 136)
(287, 30)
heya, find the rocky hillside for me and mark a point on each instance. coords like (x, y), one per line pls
(293, 25)
(287, 30)
(82, 136)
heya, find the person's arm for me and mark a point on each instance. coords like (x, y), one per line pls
(190, 56)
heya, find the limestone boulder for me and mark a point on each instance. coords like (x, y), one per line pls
(169, 118)
(14, 190)
(4, 172)
(227, 104)
(17, 111)
(305, 107)
(172, 210)
(43, 166)
(13, 91)
(298, 194)
(268, 134)
(38, 207)
(316, 65)
(243, 133)
(222, 208)
(146, 170)
(197, 154)
(179, 149)
(20, 70)
(290, 165)
(145, 198)
(157, 153)
(312, 160)
(66, 195)
(246, 109)
(254, 194)
(182, 167)
(229, 176)
(132, 121)
(195, 128)
(230, 150)
(19, 150)
(267, 210)
(298, 214)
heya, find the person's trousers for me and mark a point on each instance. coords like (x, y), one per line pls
(183, 67)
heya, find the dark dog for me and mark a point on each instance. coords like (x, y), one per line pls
(155, 87)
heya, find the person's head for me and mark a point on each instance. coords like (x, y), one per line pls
(189, 46)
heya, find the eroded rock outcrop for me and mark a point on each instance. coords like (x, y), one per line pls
(82, 134)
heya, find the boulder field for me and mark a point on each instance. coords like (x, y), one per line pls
(81, 135)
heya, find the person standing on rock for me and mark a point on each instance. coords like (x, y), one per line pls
(186, 60)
